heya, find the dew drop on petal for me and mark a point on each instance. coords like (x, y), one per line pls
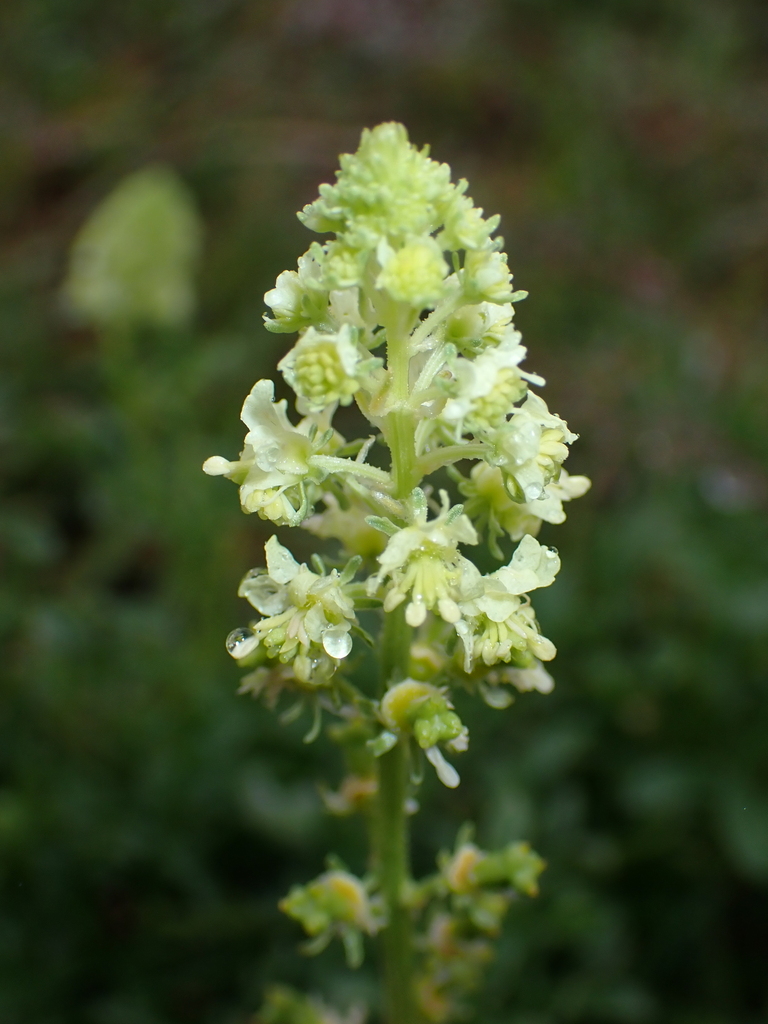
(337, 643)
(241, 642)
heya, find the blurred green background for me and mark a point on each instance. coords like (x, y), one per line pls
(149, 817)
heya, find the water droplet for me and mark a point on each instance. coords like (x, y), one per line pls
(337, 643)
(241, 642)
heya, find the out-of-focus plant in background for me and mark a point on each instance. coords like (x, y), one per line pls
(149, 818)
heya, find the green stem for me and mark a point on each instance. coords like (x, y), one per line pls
(332, 464)
(392, 843)
(392, 857)
(401, 437)
(401, 422)
(449, 454)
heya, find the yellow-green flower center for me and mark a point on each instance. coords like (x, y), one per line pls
(320, 375)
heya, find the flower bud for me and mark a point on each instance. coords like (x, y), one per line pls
(415, 273)
(334, 897)
(486, 277)
(425, 712)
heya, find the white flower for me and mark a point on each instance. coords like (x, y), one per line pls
(308, 617)
(298, 298)
(486, 388)
(531, 447)
(423, 561)
(275, 459)
(489, 501)
(326, 368)
(281, 466)
(344, 307)
(532, 566)
(499, 624)
(472, 329)
(278, 446)
(549, 508)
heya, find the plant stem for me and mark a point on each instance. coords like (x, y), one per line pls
(401, 425)
(449, 454)
(392, 843)
(391, 827)
(401, 436)
(332, 464)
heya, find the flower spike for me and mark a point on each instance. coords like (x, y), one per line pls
(404, 314)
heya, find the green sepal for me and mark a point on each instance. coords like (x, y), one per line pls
(364, 635)
(316, 945)
(354, 950)
(317, 724)
(383, 525)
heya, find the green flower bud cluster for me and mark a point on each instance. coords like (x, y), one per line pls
(405, 314)
(454, 960)
(335, 903)
(283, 1005)
(423, 711)
(392, 199)
(468, 868)
(465, 904)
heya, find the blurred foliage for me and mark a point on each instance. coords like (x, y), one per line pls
(149, 818)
